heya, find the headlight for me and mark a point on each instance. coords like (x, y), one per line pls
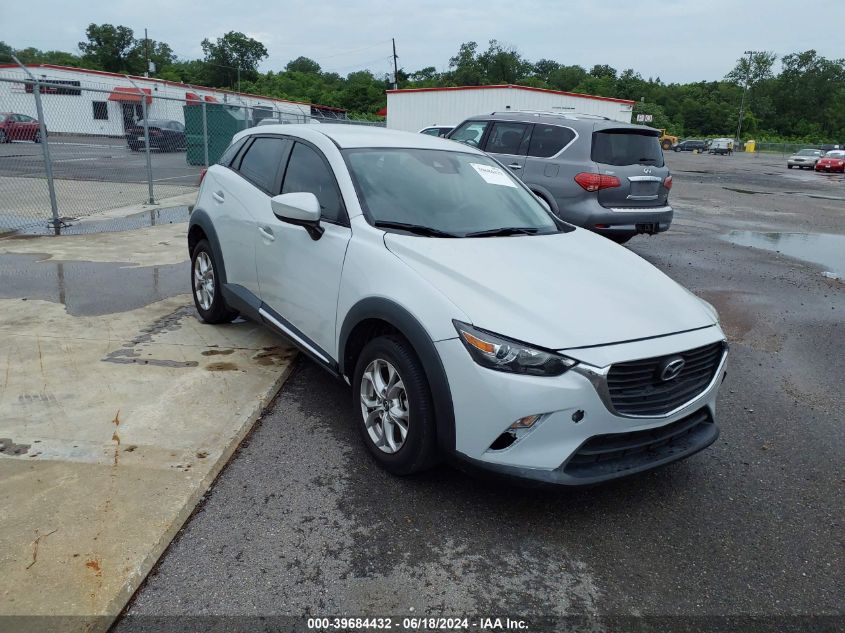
(502, 354)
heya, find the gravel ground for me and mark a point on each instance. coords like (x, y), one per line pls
(303, 522)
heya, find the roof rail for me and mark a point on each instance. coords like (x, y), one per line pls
(568, 115)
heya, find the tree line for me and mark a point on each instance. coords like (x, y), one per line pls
(800, 96)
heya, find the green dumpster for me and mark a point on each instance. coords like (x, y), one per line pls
(222, 121)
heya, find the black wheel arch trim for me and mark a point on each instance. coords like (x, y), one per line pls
(407, 325)
(199, 217)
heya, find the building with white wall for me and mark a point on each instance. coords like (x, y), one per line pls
(87, 101)
(415, 108)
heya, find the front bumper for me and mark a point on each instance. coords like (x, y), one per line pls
(576, 425)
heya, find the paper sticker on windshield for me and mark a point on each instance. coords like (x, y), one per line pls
(493, 175)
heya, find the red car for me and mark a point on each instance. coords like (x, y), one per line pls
(834, 160)
(18, 127)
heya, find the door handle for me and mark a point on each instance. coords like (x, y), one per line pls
(218, 195)
(515, 166)
(266, 233)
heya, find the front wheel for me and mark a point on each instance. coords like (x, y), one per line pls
(393, 405)
(3, 138)
(789, 166)
(207, 291)
(37, 138)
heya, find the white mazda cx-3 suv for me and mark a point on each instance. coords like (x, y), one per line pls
(470, 322)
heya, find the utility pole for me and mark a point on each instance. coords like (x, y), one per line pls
(146, 55)
(742, 101)
(395, 67)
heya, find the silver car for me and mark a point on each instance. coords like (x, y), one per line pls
(591, 171)
(804, 158)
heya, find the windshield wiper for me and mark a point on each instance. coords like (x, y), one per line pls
(416, 229)
(505, 230)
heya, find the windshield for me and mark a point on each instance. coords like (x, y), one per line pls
(810, 152)
(448, 192)
(626, 147)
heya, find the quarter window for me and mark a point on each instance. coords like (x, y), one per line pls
(506, 138)
(307, 171)
(231, 152)
(548, 140)
(260, 164)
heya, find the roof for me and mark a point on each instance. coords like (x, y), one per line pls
(515, 87)
(571, 119)
(352, 136)
(166, 82)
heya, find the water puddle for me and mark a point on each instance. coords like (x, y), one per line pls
(824, 249)
(141, 220)
(90, 288)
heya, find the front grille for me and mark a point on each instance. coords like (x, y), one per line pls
(636, 387)
(604, 456)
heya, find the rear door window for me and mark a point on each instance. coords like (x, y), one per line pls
(506, 138)
(470, 132)
(548, 140)
(260, 165)
(626, 147)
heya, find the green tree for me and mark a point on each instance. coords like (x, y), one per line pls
(566, 77)
(466, 69)
(108, 47)
(303, 65)
(231, 53)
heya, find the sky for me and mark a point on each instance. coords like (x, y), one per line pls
(676, 40)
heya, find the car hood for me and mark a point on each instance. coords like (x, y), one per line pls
(555, 291)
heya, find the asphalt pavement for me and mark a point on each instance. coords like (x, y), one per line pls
(302, 521)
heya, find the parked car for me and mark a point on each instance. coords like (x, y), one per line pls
(690, 145)
(165, 136)
(721, 146)
(804, 158)
(437, 130)
(470, 322)
(596, 173)
(833, 161)
(18, 127)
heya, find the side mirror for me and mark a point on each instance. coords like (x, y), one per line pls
(300, 208)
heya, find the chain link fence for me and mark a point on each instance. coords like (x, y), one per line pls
(68, 150)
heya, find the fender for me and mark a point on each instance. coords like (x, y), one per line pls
(415, 333)
(200, 218)
(546, 195)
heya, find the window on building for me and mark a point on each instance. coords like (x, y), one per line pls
(101, 110)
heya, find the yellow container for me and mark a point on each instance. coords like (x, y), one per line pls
(751, 146)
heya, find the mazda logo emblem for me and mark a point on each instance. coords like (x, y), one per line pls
(671, 368)
(646, 170)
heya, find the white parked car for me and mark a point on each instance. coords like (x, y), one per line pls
(469, 321)
(437, 130)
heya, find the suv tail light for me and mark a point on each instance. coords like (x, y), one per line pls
(594, 182)
(667, 182)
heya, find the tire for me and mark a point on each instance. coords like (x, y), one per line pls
(3, 138)
(789, 166)
(677, 149)
(205, 287)
(411, 396)
(37, 137)
(667, 145)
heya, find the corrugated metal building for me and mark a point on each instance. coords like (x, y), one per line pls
(87, 101)
(415, 108)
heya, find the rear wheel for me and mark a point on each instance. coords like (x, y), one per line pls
(392, 402)
(205, 282)
(789, 166)
(3, 138)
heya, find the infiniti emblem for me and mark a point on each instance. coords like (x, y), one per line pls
(671, 368)
(646, 170)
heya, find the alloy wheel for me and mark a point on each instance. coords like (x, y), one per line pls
(204, 280)
(384, 405)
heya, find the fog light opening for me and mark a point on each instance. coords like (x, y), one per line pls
(503, 441)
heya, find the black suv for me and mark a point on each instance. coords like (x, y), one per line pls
(690, 145)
